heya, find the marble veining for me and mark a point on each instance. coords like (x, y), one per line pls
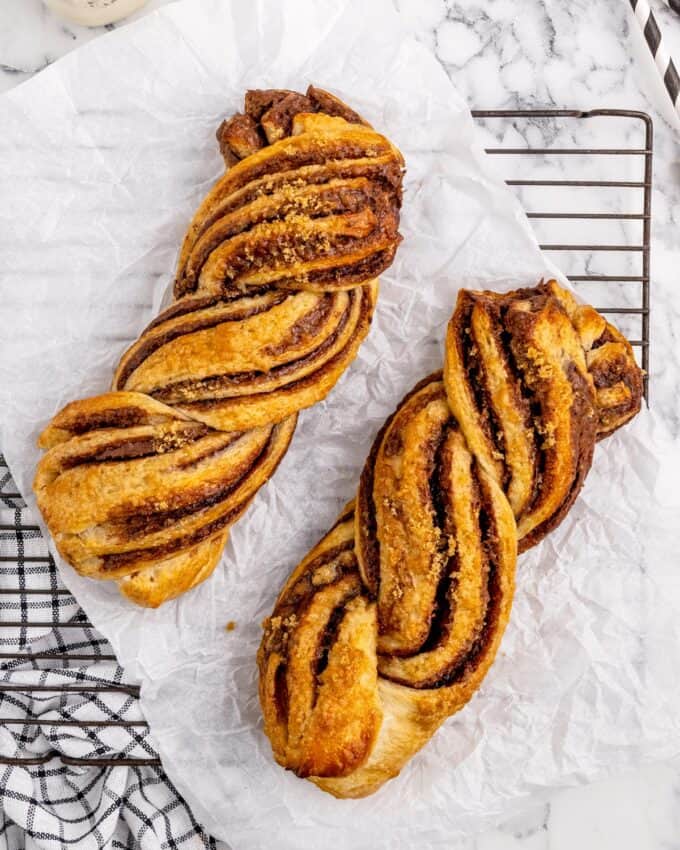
(514, 54)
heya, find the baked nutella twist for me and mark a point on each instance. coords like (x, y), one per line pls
(534, 378)
(391, 622)
(274, 292)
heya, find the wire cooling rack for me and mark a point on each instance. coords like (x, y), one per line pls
(596, 227)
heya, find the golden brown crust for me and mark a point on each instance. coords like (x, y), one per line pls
(344, 705)
(249, 361)
(238, 137)
(422, 568)
(173, 576)
(119, 499)
(360, 666)
(523, 380)
(275, 291)
(268, 116)
(317, 660)
(611, 364)
(269, 221)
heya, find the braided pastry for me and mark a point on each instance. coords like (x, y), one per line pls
(534, 378)
(274, 292)
(391, 622)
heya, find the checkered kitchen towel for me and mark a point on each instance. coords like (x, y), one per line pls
(50, 804)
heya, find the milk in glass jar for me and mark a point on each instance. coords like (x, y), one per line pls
(94, 13)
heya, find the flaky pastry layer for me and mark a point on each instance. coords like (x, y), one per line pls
(391, 622)
(274, 292)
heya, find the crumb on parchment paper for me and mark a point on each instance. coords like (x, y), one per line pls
(231, 625)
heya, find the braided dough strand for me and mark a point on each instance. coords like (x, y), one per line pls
(274, 292)
(392, 621)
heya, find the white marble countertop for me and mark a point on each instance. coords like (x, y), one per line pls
(513, 54)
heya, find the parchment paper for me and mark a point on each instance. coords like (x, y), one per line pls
(103, 158)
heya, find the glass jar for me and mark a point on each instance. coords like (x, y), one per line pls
(94, 13)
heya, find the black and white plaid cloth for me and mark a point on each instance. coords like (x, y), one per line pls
(51, 803)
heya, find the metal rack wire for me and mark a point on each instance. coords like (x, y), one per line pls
(18, 603)
(641, 154)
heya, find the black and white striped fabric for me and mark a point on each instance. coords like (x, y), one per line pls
(674, 5)
(54, 805)
(662, 58)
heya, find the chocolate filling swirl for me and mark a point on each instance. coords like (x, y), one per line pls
(274, 292)
(392, 621)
